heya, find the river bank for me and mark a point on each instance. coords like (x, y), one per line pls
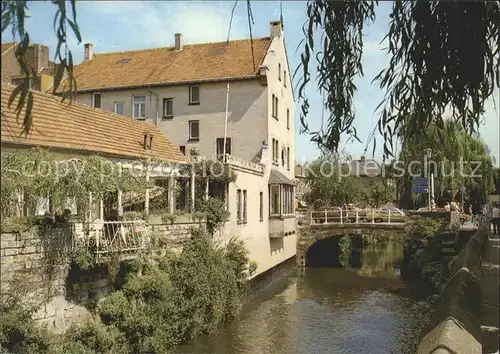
(367, 308)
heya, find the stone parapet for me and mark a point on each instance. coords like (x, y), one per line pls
(455, 326)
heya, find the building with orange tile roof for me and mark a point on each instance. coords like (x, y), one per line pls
(184, 91)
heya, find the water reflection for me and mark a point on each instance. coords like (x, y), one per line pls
(326, 310)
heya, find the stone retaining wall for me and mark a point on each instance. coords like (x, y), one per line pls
(455, 326)
(42, 266)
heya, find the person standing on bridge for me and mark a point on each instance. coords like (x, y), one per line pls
(495, 214)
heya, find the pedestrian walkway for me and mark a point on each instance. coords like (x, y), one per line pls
(490, 294)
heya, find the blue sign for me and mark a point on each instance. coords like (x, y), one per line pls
(421, 182)
(419, 189)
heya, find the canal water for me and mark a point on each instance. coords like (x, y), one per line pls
(365, 308)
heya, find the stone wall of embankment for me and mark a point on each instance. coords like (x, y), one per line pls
(41, 264)
(455, 325)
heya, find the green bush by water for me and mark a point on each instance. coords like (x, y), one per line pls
(163, 303)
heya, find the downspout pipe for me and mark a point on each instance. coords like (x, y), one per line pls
(156, 117)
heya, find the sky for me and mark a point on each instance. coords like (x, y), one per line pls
(128, 25)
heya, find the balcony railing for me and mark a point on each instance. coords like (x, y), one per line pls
(112, 236)
(358, 216)
(235, 161)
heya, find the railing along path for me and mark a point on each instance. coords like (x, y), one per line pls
(338, 215)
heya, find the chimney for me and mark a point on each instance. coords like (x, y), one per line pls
(264, 157)
(178, 41)
(43, 57)
(276, 29)
(88, 51)
(362, 159)
(148, 141)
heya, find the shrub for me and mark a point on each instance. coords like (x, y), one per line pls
(423, 247)
(96, 338)
(178, 297)
(215, 212)
(133, 215)
(18, 331)
(168, 218)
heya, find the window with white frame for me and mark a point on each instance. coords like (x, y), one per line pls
(194, 130)
(277, 149)
(283, 157)
(96, 100)
(279, 71)
(261, 205)
(194, 94)
(118, 107)
(139, 107)
(168, 107)
(33, 83)
(275, 144)
(284, 78)
(287, 199)
(274, 200)
(274, 112)
(281, 200)
(238, 206)
(273, 109)
(273, 147)
(220, 146)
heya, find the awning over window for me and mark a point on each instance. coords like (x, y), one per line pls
(277, 177)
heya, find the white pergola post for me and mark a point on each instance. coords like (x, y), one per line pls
(192, 187)
(171, 193)
(120, 194)
(206, 189)
(101, 209)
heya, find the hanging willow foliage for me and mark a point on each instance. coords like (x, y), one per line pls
(443, 55)
(461, 159)
(13, 18)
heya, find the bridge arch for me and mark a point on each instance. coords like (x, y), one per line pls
(310, 235)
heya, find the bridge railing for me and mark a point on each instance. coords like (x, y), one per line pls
(104, 237)
(336, 215)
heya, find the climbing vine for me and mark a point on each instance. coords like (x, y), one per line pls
(37, 173)
(213, 170)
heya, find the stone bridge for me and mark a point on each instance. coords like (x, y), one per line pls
(310, 234)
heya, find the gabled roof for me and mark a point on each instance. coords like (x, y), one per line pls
(166, 66)
(6, 46)
(78, 127)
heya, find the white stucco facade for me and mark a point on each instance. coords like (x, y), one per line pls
(260, 111)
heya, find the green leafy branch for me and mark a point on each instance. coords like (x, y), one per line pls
(13, 16)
